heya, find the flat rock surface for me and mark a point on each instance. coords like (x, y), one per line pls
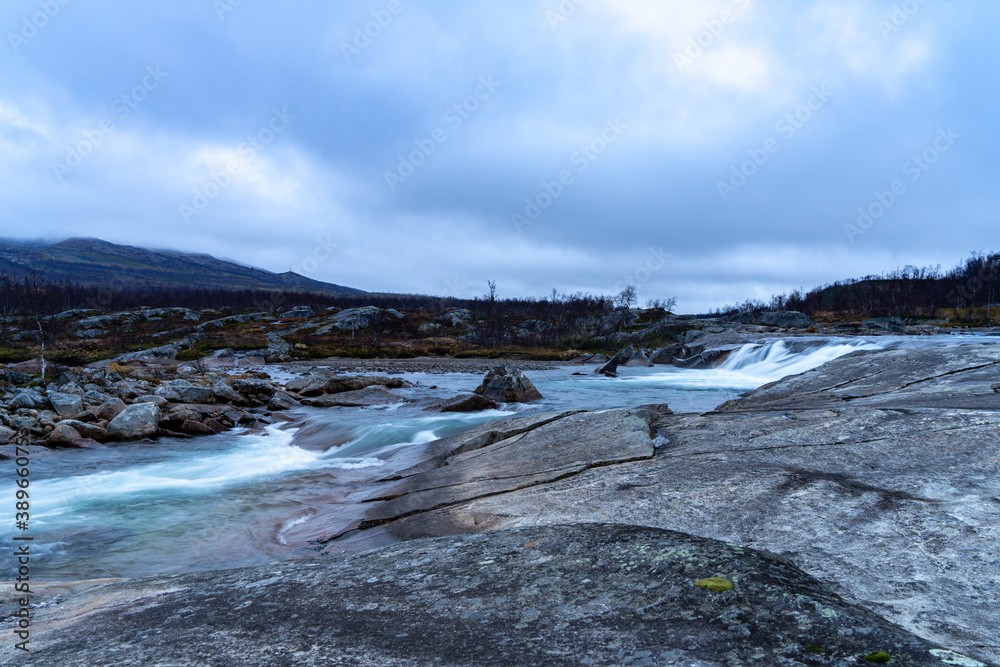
(897, 508)
(545, 451)
(556, 595)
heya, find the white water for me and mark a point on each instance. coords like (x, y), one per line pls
(237, 498)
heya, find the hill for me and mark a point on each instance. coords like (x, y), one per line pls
(92, 262)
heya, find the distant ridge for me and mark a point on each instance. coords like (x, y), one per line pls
(86, 261)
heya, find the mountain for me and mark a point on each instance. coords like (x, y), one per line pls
(99, 263)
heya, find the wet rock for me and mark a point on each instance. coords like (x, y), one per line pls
(140, 420)
(369, 396)
(225, 394)
(542, 451)
(507, 384)
(86, 430)
(466, 403)
(621, 358)
(282, 401)
(192, 427)
(63, 435)
(639, 360)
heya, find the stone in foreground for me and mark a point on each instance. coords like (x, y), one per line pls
(598, 594)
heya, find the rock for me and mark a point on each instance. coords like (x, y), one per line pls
(282, 401)
(788, 319)
(666, 355)
(225, 394)
(12, 452)
(6, 435)
(24, 423)
(455, 317)
(86, 430)
(891, 324)
(318, 384)
(159, 401)
(193, 394)
(841, 469)
(639, 360)
(369, 396)
(162, 353)
(353, 319)
(110, 409)
(16, 377)
(300, 311)
(66, 406)
(507, 384)
(542, 448)
(253, 387)
(594, 594)
(140, 420)
(27, 398)
(465, 403)
(94, 397)
(621, 358)
(192, 427)
(63, 435)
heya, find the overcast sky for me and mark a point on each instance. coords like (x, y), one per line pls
(712, 150)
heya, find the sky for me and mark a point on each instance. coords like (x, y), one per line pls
(708, 150)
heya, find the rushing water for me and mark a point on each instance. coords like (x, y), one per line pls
(244, 498)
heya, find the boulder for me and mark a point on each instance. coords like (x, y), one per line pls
(192, 427)
(788, 319)
(86, 430)
(621, 358)
(282, 401)
(162, 353)
(193, 394)
(93, 397)
(507, 384)
(6, 435)
(369, 396)
(27, 398)
(140, 420)
(110, 409)
(465, 403)
(300, 311)
(639, 360)
(253, 387)
(890, 324)
(225, 394)
(66, 406)
(63, 435)
(159, 401)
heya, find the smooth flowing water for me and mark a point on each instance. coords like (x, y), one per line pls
(244, 498)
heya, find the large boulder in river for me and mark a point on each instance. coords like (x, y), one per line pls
(466, 403)
(639, 360)
(621, 358)
(507, 384)
(140, 420)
